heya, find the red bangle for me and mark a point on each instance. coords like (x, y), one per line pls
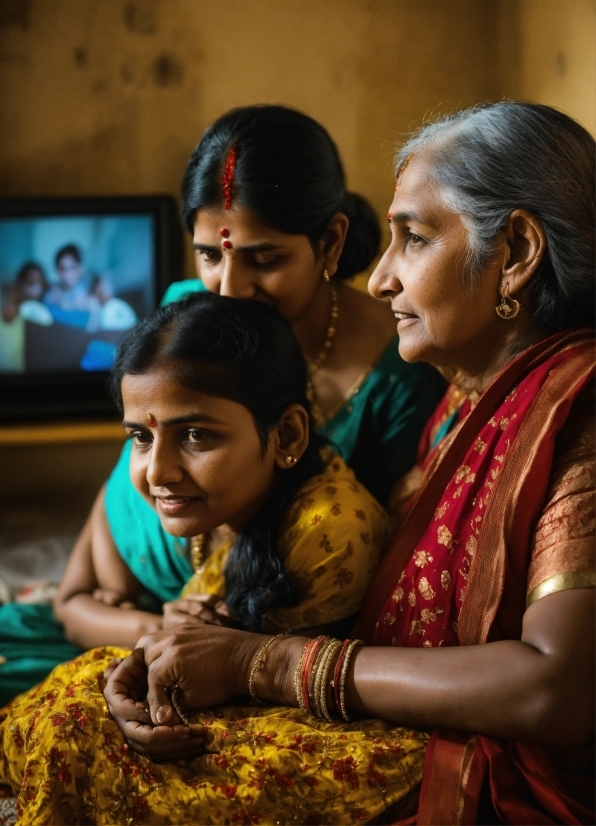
(309, 659)
(337, 673)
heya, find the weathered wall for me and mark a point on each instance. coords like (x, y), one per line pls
(110, 97)
(548, 54)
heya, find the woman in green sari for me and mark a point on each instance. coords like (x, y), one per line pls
(265, 200)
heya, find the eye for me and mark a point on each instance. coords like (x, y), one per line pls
(197, 437)
(141, 438)
(413, 240)
(209, 256)
(267, 264)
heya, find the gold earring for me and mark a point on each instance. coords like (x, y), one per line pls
(291, 461)
(503, 310)
(326, 276)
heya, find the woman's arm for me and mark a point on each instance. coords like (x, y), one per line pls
(539, 688)
(95, 566)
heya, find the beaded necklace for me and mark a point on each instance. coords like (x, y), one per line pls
(197, 551)
(329, 335)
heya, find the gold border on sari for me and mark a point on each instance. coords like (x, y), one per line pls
(561, 582)
(487, 576)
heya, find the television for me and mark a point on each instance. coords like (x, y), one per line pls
(75, 275)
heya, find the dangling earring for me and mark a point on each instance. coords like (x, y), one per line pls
(326, 276)
(503, 310)
(291, 461)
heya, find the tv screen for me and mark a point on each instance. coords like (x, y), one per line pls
(75, 276)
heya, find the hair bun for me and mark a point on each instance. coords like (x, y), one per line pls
(363, 238)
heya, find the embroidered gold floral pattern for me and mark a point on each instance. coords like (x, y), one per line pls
(426, 589)
(461, 474)
(260, 765)
(444, 536)
(441, 510)
(412, 598)
(422, 558)
(398, 595)
(430, 614)
(471, 545)
(479, 446)
(445, 579)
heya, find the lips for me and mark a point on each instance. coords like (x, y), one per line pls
(401, 315)
(171, 505)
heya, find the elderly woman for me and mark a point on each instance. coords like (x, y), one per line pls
(479, 625)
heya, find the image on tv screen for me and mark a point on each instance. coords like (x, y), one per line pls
(70, 288)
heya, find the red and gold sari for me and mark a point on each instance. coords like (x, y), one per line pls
(504, 516)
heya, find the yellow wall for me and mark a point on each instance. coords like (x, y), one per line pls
(549, 54)
(110, 97)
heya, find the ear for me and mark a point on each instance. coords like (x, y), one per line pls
(290, 435)
(524, 249)
(333, 241)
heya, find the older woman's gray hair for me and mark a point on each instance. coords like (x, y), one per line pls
(492, 159)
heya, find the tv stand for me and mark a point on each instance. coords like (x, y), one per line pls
(64, 433)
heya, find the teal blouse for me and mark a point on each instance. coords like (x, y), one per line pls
(376, 431)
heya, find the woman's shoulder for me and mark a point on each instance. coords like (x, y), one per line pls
(563, 542)
(335, 495)
(331, 542)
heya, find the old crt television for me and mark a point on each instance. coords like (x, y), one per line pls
(75, 275)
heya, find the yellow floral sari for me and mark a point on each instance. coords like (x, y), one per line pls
(68, 762)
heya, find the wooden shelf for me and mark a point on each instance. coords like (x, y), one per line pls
(61, 433)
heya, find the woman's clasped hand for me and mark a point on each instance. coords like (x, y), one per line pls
(208, 667)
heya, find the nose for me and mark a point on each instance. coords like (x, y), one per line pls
(384, 282)
(164, 467)
(235, 281)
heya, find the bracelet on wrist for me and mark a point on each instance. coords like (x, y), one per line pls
(312, 676)
(257, 664)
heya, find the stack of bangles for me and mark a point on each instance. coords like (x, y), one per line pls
(313, 676)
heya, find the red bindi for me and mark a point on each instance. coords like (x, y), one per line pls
(227, 245)
(224, 232)
(228, 177)
(151, 420)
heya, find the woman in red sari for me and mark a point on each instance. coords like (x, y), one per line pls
(479, 624)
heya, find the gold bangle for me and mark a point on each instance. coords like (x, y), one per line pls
(326, 664)
(298, 677)
(258, 663)
(313, 683)
(343, 676)
(174, 700)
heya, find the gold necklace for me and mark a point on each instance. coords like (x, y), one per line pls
(197, 551)
(329, 335)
